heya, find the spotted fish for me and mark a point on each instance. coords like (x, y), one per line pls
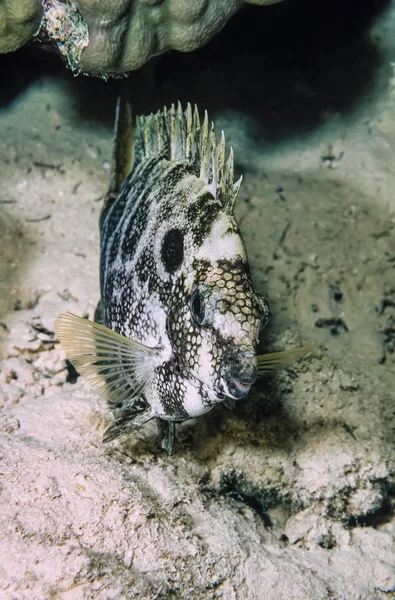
(179, 320)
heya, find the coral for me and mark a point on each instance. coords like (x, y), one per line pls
(115, 36)
(65, 26)
(19, 21)
(123, 35)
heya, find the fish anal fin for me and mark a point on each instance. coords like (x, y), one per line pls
(127, 422)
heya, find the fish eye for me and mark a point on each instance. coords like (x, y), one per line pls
(197, 307)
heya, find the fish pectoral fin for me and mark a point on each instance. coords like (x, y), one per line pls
(127, 420)
(116, 367)
(268, 363)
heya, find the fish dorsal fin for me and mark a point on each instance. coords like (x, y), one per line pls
(116, 367)
(122, 158)
(268, 363)
(178, 136)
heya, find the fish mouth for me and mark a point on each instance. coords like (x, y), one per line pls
(241, 375)
(238, 389)
(235, 381)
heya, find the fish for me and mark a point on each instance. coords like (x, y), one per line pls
(178, 325)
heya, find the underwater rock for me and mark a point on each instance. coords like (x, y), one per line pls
(109, 37)
(19, 21)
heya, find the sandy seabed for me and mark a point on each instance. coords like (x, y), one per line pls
(291, 495)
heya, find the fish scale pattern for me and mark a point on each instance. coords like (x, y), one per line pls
(174, 271)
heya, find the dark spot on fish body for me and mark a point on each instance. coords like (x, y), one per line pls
(172, 250)
(201, 216)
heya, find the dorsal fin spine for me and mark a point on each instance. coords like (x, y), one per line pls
(196, 138)
(189, 135)
(178, 136)
(173, 132)
(203, 149)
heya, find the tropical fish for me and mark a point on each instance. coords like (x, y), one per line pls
(178, 324)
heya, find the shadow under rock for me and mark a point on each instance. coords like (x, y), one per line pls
(287, 66)
(94, 98)
(18, 70)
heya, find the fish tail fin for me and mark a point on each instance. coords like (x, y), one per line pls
(178, 136)
(122, 153)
